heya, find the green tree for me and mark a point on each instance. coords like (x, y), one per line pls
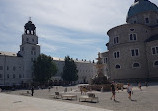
(69, 70)
(44, 69)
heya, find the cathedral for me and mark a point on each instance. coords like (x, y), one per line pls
(133, 47)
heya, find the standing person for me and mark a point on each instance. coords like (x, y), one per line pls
(32, 90)
(129, 90)
(49, 88)
(140, 86)
(113, 91)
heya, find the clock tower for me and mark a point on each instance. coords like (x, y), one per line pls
(29, 50)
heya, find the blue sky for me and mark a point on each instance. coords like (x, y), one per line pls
(65, 27)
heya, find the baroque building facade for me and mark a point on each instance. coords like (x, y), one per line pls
(17, 68)
(86, 70)
(133, 47)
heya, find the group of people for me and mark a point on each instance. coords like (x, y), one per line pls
(129, 87)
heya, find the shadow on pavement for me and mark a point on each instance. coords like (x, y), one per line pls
(133, 100)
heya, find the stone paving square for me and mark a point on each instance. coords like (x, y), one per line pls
(145, 100)
(22, 103)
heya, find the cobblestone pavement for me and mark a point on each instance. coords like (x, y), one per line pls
(145, 100)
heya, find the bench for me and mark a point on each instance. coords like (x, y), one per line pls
(69, 96)
(90, 97)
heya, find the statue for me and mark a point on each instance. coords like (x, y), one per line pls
(100, 78)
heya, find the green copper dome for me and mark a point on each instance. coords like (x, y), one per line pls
(140, 6)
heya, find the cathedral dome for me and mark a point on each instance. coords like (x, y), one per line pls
(141, 6)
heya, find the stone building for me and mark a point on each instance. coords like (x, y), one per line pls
(17, 68)
(86, 70)
(133, 47)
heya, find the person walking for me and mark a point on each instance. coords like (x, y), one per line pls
(129, 90)
(113, 91)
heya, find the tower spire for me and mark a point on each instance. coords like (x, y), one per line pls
(29, 18)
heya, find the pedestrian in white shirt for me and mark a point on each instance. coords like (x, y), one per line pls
(129, 91)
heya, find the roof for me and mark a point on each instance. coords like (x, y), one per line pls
(152, 38)
(141, 6)
(127, 24)
(76, 60)
(8, 53)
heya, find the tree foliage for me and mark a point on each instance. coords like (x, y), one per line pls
(44, 68)
(70, 70)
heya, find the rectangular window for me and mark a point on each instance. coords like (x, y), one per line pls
(135, 52)
(132, 51)
(147, 20)
(116, 40)
(7, 67)
(105, 60)
(1, 67)
(13, 75)
(133, 37)
(0, 76)
(7, 75)
(116, 54)
(19, 75)
(155, 50)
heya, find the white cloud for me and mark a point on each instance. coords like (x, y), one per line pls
(86, 15)
(65, 39)
(60, 24)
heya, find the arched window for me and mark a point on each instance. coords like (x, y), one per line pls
(156, 63)
(136, 65)
(117, 66)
